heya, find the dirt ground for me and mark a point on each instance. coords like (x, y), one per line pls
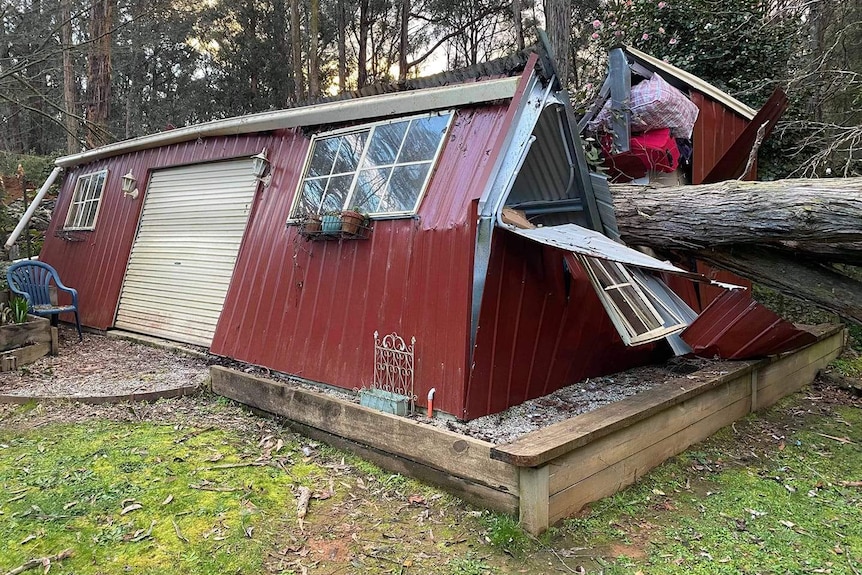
(103, 366)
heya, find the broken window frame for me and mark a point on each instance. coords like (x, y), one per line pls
(634, 295)
(350, 194)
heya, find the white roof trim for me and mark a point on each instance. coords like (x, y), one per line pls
(382, 106)
(695, 83)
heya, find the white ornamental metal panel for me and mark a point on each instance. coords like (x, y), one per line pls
(192, 224)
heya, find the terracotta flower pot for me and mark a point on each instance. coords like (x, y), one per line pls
(351, 222)
(311, 224)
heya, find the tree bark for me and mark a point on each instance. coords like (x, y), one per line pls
(313, 49)
(403, 43)
(362, 57)
(296, 43)
(822, 211)
(818, 284)
(99, 73)
(519, 27)
(558, 18)
(341, 21)
(69, 84)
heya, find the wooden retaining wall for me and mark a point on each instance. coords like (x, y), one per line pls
(572, 463)
(552, 473)
(456, 462)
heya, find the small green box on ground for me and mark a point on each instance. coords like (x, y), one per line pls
(384, 401)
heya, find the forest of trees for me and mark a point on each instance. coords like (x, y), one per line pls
(76, 74)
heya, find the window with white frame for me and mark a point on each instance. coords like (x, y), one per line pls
(381, 169)
(85, 201)
(639, 315)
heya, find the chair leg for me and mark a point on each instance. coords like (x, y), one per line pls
(78, 325)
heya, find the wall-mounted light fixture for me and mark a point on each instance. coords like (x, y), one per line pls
(260, 167)
(129, 188)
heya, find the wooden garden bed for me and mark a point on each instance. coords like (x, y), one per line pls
(23, 343)
(549, 474)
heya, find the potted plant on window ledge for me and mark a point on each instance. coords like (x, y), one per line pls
(331, 222)
(353, 221)
(310, 224)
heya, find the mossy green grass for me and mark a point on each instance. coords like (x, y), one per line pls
(141, 498)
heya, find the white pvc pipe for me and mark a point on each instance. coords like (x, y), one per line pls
(32, 209)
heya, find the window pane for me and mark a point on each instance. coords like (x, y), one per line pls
(309, 199)
(385, 143)
(72, 217)
(369, 189)
(422, 139)
(336, 193)
(99, 183)
(323, 156)
(404, 188)
(89, 212)
(350, 152)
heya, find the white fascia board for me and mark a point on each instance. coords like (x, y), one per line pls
(382, 106)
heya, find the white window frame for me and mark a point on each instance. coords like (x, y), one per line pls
(638, 297)
(82, 196)
(348, 202)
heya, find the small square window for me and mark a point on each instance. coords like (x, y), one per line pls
(85, 201)
(382, 169)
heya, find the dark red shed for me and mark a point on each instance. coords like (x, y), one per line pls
(175, 235)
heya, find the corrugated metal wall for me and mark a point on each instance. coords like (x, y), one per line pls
(311, 308)
(715, 130)
(540, 329)
(94, 262)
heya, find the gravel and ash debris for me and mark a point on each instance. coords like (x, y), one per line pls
(104, 366)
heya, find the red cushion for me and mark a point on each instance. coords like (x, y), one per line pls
(655, 150)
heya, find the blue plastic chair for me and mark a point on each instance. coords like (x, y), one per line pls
(31, 280)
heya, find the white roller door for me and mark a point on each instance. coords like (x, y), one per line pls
(193, 221)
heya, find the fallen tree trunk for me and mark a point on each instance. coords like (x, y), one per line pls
(781, 234)
(736, 212)
(817, 284)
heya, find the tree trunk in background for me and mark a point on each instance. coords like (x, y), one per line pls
(341, 33)
(39, 84)
(282, 87)
(313, 49)
(519, 28)
(296, 43)
(70, 121)
(558, 19)
(99, 73)
(362, 59)
(403, 43)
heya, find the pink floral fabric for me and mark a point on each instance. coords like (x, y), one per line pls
(655, 104)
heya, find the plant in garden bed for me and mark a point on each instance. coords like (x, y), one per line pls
(14, 312)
